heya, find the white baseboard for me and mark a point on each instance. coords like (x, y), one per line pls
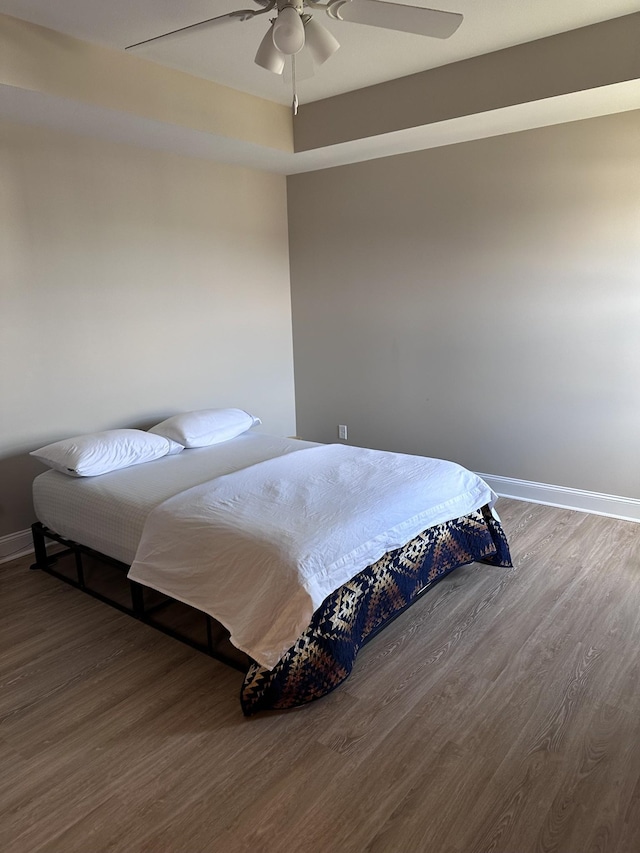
(15, 545)
(20, 544)
(613, 506)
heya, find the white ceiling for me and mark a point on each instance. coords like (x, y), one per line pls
(367, 55)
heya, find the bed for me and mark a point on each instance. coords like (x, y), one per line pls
(297, 554)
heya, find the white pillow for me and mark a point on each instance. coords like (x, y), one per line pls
(101, 452)
(208, 426)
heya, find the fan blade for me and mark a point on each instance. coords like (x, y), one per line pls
(393, 16)
(210, 22)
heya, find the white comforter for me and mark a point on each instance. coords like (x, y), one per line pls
(261, 548)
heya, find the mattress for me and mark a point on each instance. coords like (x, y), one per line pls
(108, 513)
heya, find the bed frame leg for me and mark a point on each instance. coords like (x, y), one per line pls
(79, 567)
(39, 546)
(137, 599)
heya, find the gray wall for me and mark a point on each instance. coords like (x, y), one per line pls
(479, 302)
(133, 284)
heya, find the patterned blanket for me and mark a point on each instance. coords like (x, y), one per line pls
(324, 655)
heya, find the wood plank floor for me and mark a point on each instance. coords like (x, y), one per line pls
(501, 713)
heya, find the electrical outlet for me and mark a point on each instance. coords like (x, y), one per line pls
(342, 431)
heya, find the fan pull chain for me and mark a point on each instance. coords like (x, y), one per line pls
(294, 105)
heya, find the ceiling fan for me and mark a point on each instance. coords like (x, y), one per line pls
(294, 27)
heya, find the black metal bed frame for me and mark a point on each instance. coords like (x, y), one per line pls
(217, 643)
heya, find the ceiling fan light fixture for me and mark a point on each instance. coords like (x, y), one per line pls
(268, 56)
(321, 43)
(288, 31)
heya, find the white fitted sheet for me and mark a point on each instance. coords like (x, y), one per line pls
(108, 513)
